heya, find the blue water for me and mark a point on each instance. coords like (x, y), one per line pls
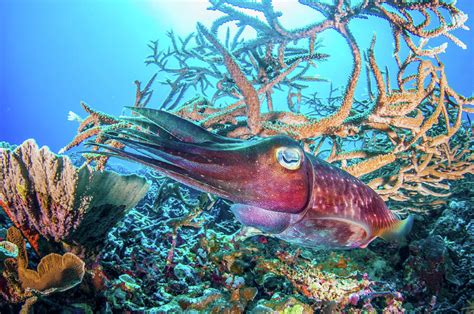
(53, 54)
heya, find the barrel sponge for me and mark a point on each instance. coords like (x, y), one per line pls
(45, 194)
(54, 273)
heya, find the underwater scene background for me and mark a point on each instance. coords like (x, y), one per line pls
(381, 89)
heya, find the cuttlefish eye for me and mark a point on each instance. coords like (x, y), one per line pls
(289, 157)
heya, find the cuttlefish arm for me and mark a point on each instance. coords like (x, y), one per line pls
(273, 183)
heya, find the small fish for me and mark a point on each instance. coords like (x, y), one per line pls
(72, 116)
(275, 185)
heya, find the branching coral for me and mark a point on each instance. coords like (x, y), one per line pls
(52, 201)
(96, 122)
(404, 140)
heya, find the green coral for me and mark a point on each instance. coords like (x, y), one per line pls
(295, 309)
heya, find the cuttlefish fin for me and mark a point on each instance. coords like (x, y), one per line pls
(398, 230)
(246, 232)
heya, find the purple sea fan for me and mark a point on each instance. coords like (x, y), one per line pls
(50, 200)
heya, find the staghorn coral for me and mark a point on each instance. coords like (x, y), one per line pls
(94, 124)
(52, 201)
(187, 220)
(403, 139)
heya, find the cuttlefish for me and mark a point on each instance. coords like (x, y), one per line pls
(275, 186)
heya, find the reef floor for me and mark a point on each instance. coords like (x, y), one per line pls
(177, 251)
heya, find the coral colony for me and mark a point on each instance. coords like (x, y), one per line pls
(304, 177)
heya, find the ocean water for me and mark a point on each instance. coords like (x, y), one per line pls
(176, 249)
(93, 51)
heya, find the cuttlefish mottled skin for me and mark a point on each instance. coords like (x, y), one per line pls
(276, 187)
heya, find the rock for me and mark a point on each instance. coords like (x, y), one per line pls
(427, 263)
(129, 282)
(171, 307)
(185, 274)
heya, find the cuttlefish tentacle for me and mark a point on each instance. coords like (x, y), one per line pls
(276, 187)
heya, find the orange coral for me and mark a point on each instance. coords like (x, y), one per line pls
(54, 273)
(31, 235)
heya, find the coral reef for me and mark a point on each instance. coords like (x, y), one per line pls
(180, 251)
(51, 201)
(415, 277)
(210, 271)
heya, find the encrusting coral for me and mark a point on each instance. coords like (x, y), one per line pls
(10, 286)
(14, 236)
(7, 250)
(52, 201)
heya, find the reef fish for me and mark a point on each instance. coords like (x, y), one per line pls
(276, 186)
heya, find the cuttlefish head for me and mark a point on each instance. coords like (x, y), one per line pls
(271, 174)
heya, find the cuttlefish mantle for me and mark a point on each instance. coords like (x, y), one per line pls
(276, 187)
